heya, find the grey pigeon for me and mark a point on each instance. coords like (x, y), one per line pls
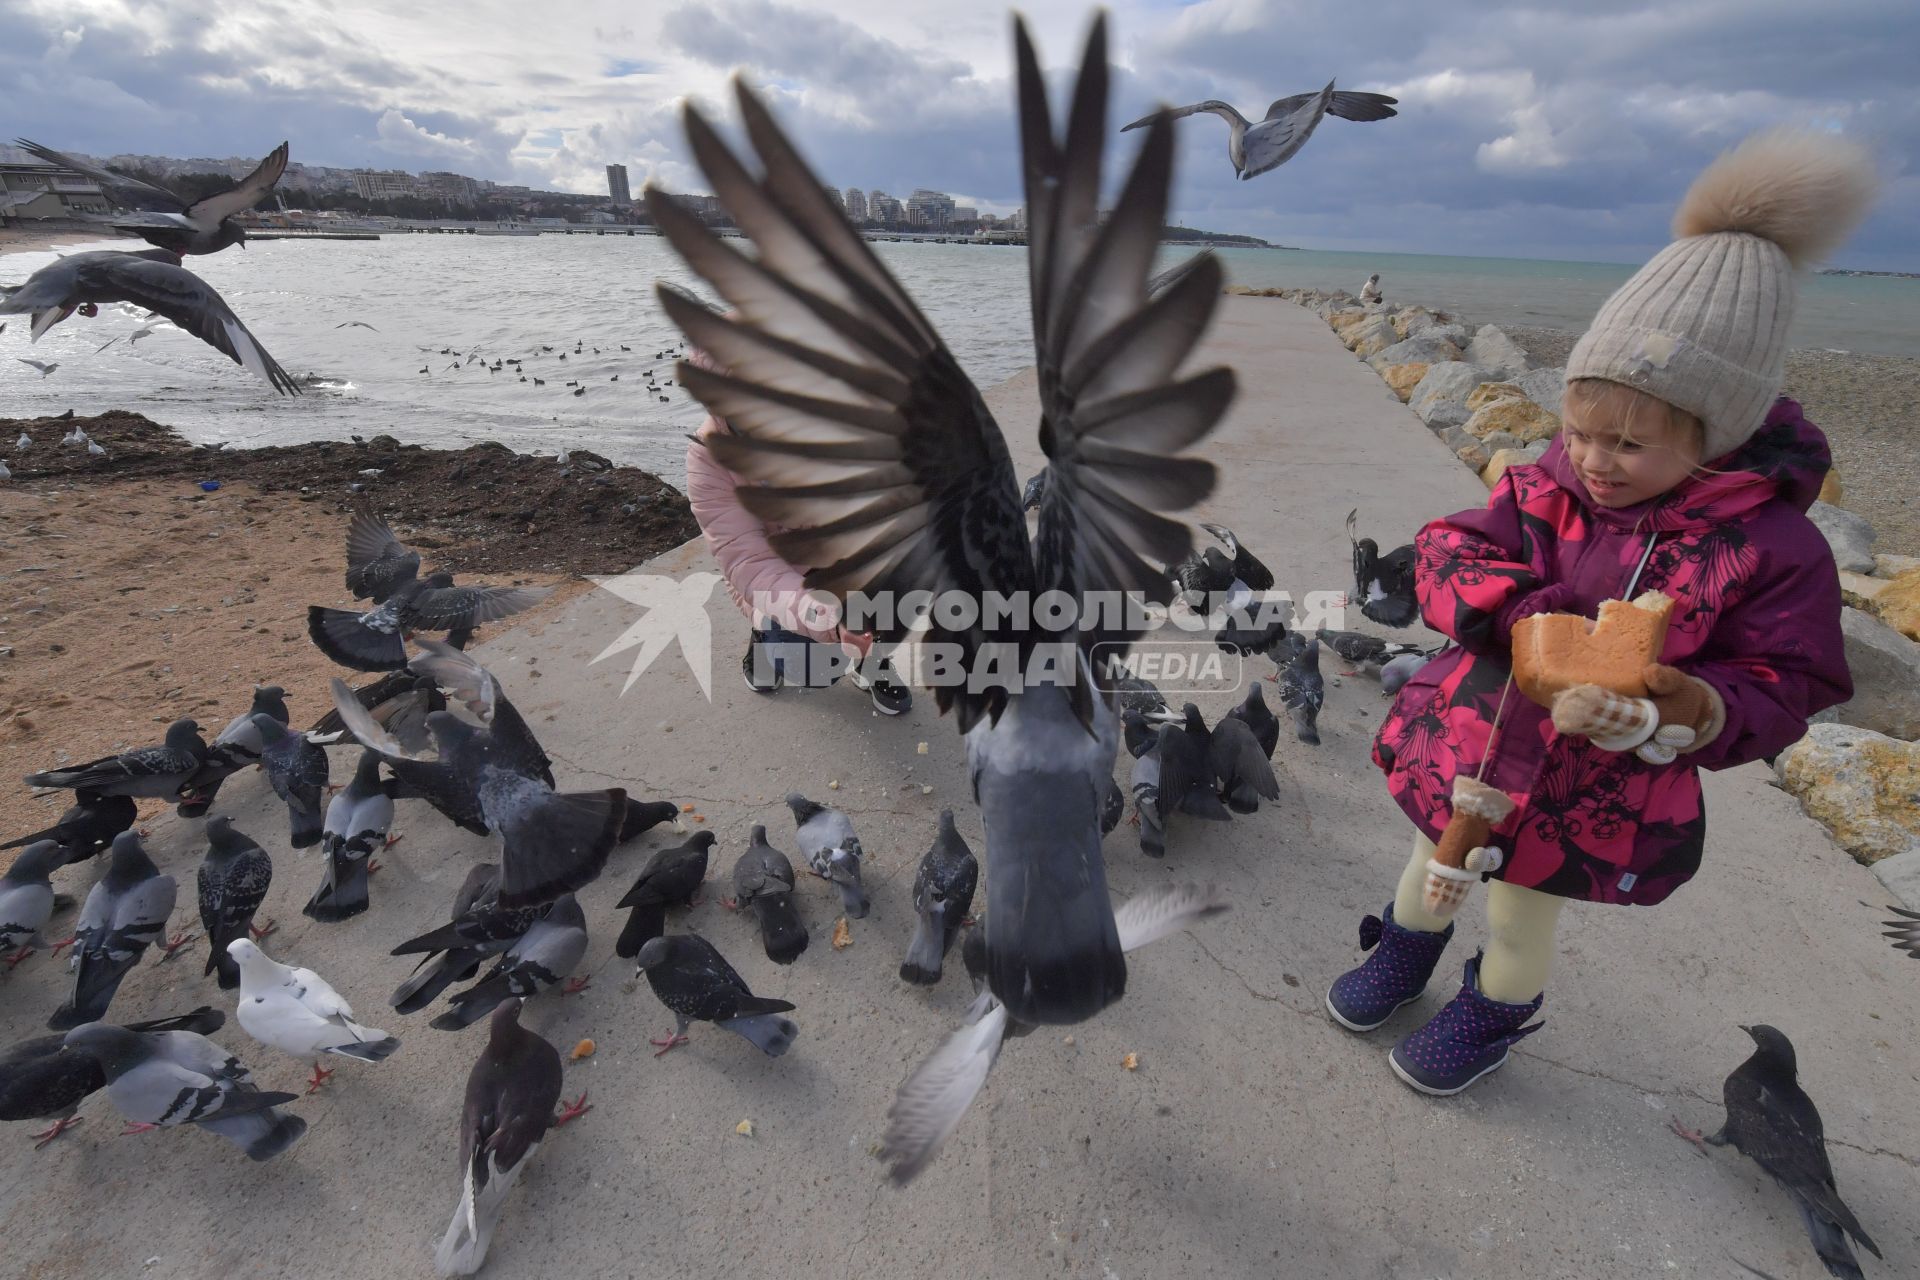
(355, 828)
(154, 279)
(151, 772)
(1116, 416)
(542, 958)
(1176, 775)
(378, 563)
(1035, 491)
(1365, 653)
(296, 766)
(296, 1011)
(1904, 932)
(1304, 691)
(644, 815)
(1255, 147)
(1137, 733)
(1138, 694)
(479, 927)
(158, 1080)
(1771, 1120)
(124, 914)
(1253, 712)
(233, 883)
(696, 983)
(931, 1102)
(763, 879)
(87, 827)
(42, 1079)
(1210, 577)
(671, 878)
(942, 896)
(1240, 765)
(399, 702)
(495, 778)
(232, 749)
(1252, 636)
(511, 1093)
(1384, 583)
(26, 899)
(1397, 671)
(164, 219)
(1144, 783)
(376, 640)
(827, 841)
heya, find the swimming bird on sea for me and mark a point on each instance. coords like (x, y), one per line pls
(162, 218)
(1255, 148)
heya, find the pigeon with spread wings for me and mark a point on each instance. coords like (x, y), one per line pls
(1257, 146)
(164, 219)
(857, 432)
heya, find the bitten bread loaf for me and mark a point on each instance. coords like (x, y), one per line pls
(1553, 652)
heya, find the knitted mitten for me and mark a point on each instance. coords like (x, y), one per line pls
(1463, 852)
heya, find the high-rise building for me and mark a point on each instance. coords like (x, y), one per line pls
(930, 208)
(882, 207)
(965, 213)
(617, 189)
(838, 202)
(383, 184)
(454, 188)
(856, 201)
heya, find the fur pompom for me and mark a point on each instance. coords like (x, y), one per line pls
(1803, 190)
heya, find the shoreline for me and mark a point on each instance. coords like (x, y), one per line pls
(26, 239)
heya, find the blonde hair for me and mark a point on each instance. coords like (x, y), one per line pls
(1632, 410)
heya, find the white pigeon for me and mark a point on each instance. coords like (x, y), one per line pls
(295, 1011)
(24, 442)
(44, 367)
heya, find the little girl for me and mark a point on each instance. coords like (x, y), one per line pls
(786, 646)
(1677, 468)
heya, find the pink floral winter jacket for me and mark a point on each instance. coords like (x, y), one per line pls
(1757, 617)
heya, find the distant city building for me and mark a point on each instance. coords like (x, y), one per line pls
(453, 188)
(929, 208)
(383, 184)
(965, 213)
(617, 187)
(856, 204)
(705, 208)
(838, 201)
(30, 189)
(882, 207)
(1018, 221)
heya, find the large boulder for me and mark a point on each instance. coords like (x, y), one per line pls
(1441, 398)
(1886, 565)
(1370, 337)
(1886, 677)
(1830, 487)
(1474, 454)
(1859, 591)
(1401, 379)
(1492, 349)
(1545, 387)
(1517, 416)
(1901, 875)
(1423, 349)
(1502, 459)
(1848, 533)
(1861, 785)
(1458, 334)
(1898, 604)
(1405, 318)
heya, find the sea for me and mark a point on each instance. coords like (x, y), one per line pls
(380, 333)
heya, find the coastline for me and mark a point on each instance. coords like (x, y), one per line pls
(27, 238)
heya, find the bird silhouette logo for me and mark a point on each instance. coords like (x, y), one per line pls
(676, 610)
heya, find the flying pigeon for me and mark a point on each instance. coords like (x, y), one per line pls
(511, 1093)
(1209, 577)
(164, 219)
(763, 878)
(296, 767)
(295, 1011)
(161, 1080)
(400, 702)
(803, 397)
(42, 1079)
(1771, 1120)
(695, 982)
(26, 899)
(541, 958)
(1904, 932)
(671, 878)
(826, 839)
(376, 640)
(931, 1102)
(233, 883)
(154, 772)
(124, 914)
(496, 777)
(479, 927)
(87, 827)
(1255, 147)
(942, 896)
(355, 828)
(1303, 691)
(156, 280)
(1383, 583)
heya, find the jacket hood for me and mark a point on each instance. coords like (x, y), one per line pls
(1787, 457)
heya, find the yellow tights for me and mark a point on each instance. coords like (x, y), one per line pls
(1520, 924)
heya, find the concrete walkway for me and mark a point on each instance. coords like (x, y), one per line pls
(1255, 1139)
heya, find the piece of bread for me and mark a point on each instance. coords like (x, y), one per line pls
(1553, 652)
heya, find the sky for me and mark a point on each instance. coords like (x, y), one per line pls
(1525, 129)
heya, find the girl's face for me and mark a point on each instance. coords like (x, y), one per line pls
(1627, 449)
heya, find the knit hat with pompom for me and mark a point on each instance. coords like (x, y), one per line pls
(1704, 325)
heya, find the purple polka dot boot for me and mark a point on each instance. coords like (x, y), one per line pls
(1466, 1040)
(1394, 975)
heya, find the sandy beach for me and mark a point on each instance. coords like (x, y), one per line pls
(24, 237)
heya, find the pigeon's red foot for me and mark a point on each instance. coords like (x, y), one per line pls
(17, 957)
(967, 922)
(62, 945)
(1698, 1139)
(572, 1110)
(1133, 819)
(1274, 678)
(319, 1078)
(335, 786)
(172, 945)
(393, 840)
(731, 904)
(264, 931)
(138, 1127)
(143, 833)
(574, 986)
(58, 1127)
(668, 1043)
(696, 899)
(373, 865)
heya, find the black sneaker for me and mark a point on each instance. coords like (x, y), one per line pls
(889, 698)
(747, 671)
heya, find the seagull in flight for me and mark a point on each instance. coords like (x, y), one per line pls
(162, 218)
(1255, 148)
(44, 367)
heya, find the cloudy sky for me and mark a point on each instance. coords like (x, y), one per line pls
(1531, 130)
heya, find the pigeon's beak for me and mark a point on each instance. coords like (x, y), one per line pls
(1745, 1028)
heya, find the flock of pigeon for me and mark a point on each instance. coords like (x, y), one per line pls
(888, 486)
